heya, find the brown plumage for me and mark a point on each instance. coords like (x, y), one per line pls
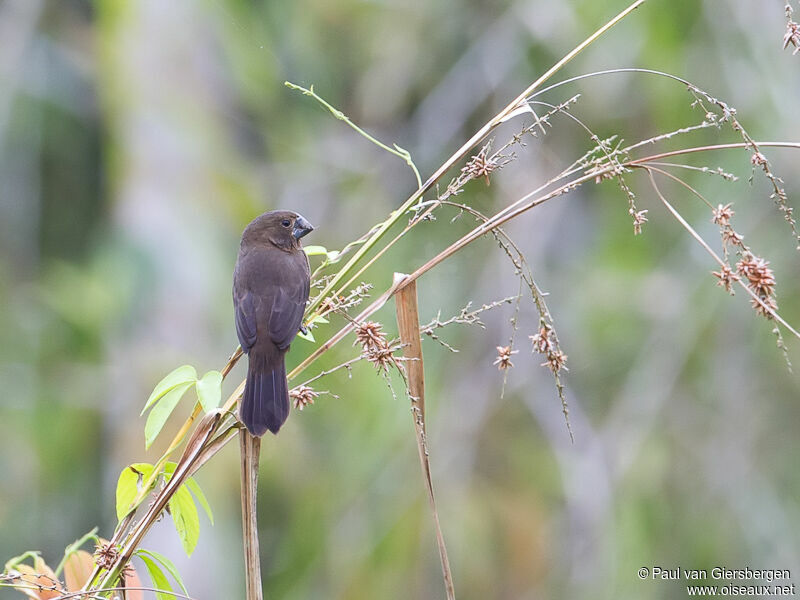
(270, 289)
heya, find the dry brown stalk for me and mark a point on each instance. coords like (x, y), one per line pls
(408, 324)
(250, 447)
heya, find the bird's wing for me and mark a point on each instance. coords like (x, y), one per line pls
(245, 320)
(286, 316)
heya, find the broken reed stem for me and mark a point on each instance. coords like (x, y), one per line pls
(408, 324)
(250, 447)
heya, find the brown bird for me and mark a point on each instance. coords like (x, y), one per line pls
(271, 283)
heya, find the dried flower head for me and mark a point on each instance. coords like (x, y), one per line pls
(370, 335)
(768, 303)
(760, 277)
(503, 360)
(541, 341)
(481, 165)
(639, 219)
(105, 555)
(722, 215)
(382, 357)
(544, 342)
(758, 159)
(726, 278)
(556, 361)
(792, 36)
(302, 396)
(729, 236)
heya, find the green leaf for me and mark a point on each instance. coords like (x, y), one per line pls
(166, 563)
(179, 376)
(309, 337)
(333, 256)
(186, 519)
(162, 410)
(209, 390)
(315, 250)
(128, 486)
(191, 483)
(160, 581)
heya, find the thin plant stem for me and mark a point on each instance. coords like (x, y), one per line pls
(397, 150)
(74, 547)
(714, 255)
(461, 153)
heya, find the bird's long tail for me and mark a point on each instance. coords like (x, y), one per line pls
(265, 403)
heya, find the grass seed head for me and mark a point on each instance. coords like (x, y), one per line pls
(105, 555)
(370, 335)
(722, 215)
(302, 396)
(503, 360)
(481, 165)
(726, 278)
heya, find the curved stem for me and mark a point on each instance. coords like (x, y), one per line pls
(462, 152)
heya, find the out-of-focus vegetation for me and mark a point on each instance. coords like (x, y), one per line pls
(138, 138)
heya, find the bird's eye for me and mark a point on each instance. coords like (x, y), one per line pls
(286, 223)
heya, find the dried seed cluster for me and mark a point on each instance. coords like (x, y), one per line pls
(342, 303)
(503, 360)
(105, 555)
(639, 219)
(370, 335)
(544, 343)
(481, 165)
(376, 348)
(726, 278)
(302, 396)
(722, 216)
(383, 357)
(792, 35)
(761, 280)
(754, 270)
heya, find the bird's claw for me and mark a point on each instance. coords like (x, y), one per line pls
(303, 329)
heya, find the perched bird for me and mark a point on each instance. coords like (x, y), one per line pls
(270, 289)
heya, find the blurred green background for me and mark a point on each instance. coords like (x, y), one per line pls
(137, 138)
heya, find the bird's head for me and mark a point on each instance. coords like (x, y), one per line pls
(282, 228)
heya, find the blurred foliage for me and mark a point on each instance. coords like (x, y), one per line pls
(138, 138)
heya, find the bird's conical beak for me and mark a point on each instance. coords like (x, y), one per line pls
(301, 227)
